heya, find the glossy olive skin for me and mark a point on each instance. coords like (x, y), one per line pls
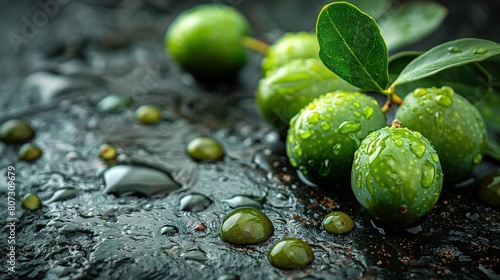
(396, 176)
(29, 152)
(324, 135)
(290, 46)
(290, 253)
(31, 201)
(206, 41)
(246, 225)
(205, 148)
(289, 88)
(338, 222)
(451, 123)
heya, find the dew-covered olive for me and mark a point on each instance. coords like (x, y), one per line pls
(29, 152)
(290, 46)
(290, 253)
(287, 89)
(205, 148)
(396, 176)
(246, 225)
(16, 131)
(338, 223)
(31, 201)
(451, 123)
(206, 41)
(324, 135)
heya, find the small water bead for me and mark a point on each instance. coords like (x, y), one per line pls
(107, 152)
(479, 50)
(420, 92)
(356, 104)
(337, 148)
(398, 142)
(16, 131)
(418, 149)
(205, 148)
(243, 201)
(194, 202)
(313, 118)
(368, 112)
(338, 222)
(444, 100)
(454, 49)
(29, 152)
(62, 194)
(169, 230)
(246, 225)
(311, 106)
(290, 253)
(349, 127)
(434, 157)
(325, 126)
(148, 114)
(31, 201)
(305, 134)
(477, 158)
(446, 90)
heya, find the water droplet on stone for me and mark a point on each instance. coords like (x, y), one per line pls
(472, 216)
(428, 174)
(113, 103)
(245, 226)
(169, 230)
(205, 148)
(368, 112)
(290, 253)
(62, 194)
(195, 255)
(444, 100)
(478, 158)
(479, 50)
(454, 49)
(243, 201)
(349, 127)
(337, 148)
(194, 202)
(138, 180)
(418, 149)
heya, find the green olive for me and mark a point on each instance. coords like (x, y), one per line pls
(205, 148)
(148, 114)
(206, 41)
(290, 253)
(31, 201)
(451, 123)
(324, 135)
(292, 86)
(396, 176)
(107, 152)
(289, 47)
(338, 223)
(246, 225)
(16, 131)
(29, 152)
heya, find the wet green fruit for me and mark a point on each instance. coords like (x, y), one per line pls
(246, 225)
(324, 135)
(451, 123)
(290, 253)
(29, 152)
(205, 148)
(148, 114)
(107, 152)
(338, 223)
(292, 86)
(16, 131)
(206, 41)
(31, 201)
(289, 47)
(396, 176)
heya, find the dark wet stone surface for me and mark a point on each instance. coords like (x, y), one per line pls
(91, 49)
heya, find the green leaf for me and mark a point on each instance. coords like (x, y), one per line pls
(352, 47)
(411, 22)
(374, 8)
(469, 80)
(446, 56)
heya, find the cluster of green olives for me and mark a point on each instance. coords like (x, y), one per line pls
(333, 132)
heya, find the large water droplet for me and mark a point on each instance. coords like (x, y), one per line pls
(368, 112)
(428, 174)
(305, 134)
(169, 230)
(194, 202)
(454, 49)
(444, 100)
(479, 50)
(290, 253)
(246, 225)
(313, 118)
(418, 149)
(349, 127)
(420, 92)
(138, 180)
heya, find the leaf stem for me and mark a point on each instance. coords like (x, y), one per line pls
(255, 44)
(392, 99)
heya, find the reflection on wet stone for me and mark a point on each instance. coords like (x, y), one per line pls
(244, 201)
(125, 180)
(62, 194)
